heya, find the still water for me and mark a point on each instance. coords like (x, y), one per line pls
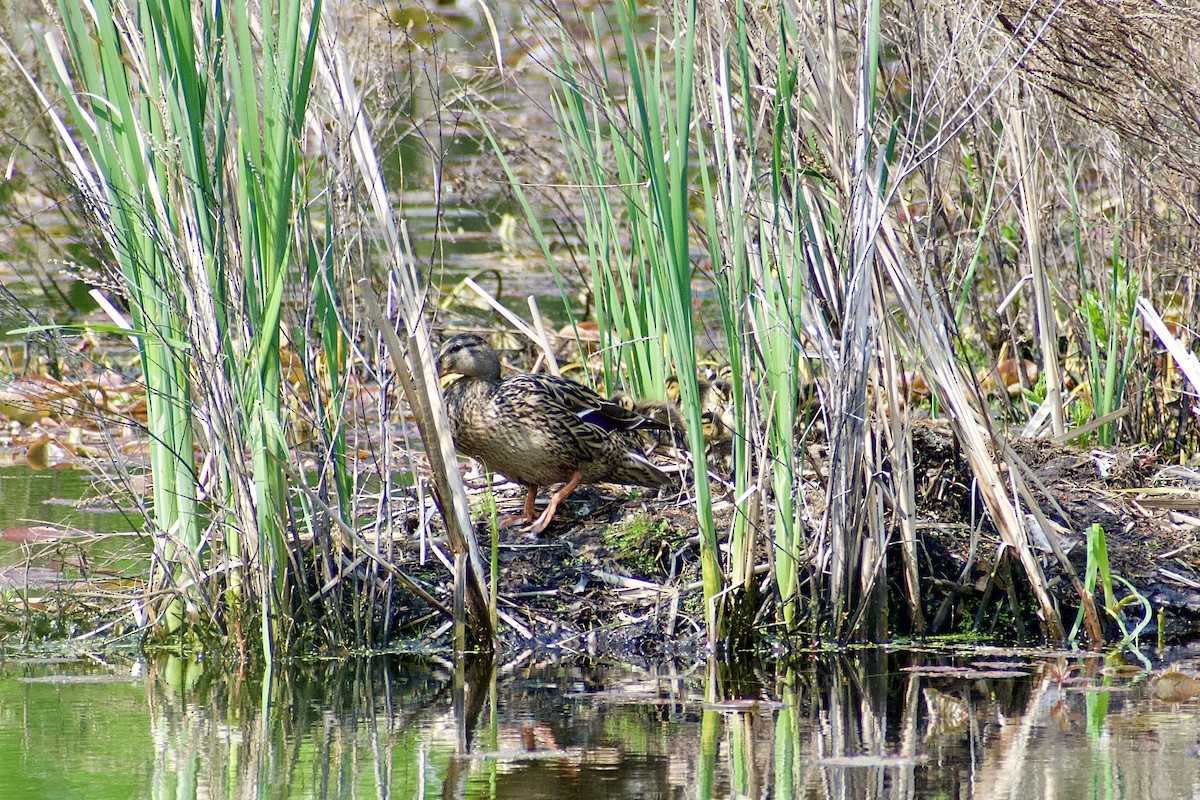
(866, 724)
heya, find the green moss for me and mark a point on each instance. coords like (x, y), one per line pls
(643, 543)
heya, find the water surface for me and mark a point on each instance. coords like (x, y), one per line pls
(866, 724)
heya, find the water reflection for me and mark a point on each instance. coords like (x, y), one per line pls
(861, 725)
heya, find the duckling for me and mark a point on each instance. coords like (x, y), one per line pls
(540, 429)
(716, 405)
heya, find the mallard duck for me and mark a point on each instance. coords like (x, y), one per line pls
(539, 429)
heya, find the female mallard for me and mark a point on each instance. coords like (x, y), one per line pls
(539, 429)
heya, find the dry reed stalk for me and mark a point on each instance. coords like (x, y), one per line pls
(898, 432)
(412, 354)
(1029, 186)
(929, 322)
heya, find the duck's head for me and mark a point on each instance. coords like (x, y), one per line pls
(467, 355)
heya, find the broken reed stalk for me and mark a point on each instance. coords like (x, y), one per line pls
(1087, 600)
(930, 323)
(1047, 324)
(412, 354)
(898, 436)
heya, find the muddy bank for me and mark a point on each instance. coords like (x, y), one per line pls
(617, 573)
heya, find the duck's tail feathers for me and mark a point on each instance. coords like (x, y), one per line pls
(642, 471)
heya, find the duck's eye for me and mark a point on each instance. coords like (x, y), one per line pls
(455, 350)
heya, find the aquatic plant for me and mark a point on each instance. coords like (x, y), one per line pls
(797, 159)
(186, 136)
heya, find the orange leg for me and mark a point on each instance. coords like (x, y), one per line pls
(530, 503)
(555, 499)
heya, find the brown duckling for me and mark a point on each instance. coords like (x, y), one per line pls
(716, 406)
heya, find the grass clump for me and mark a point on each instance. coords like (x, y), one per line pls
(211, 148)
(644, 544)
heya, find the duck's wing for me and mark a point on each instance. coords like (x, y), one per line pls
(610, 415)
(585, 405)
(582, 426)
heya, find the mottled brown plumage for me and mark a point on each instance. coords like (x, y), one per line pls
(539, 429)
